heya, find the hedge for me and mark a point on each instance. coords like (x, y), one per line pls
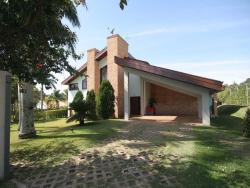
(50, 114)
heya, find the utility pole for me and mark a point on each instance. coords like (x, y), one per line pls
(230, 94)
(247, 93)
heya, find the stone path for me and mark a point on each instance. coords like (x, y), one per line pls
(122, 161)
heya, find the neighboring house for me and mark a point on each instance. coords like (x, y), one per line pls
(38, 105)
(135, 82)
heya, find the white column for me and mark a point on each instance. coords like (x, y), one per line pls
(142, 96)
(126, 96)
(5, 89)
(206, 109)
(199, 100)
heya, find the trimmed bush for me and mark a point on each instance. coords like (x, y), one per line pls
(91, 103)
(80, 108)
(49, 114)
(246, 124)
(105, 100)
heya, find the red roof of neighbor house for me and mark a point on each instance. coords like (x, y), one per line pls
(101, 54)
(72, 77)
(168, 73)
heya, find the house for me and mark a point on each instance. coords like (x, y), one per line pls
(136, 81)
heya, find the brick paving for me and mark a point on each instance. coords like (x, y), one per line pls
(124, 160)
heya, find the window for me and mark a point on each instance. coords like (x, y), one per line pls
(103, 74)
(73, 86)
(84, 83)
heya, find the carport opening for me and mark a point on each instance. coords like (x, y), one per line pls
(170, 102)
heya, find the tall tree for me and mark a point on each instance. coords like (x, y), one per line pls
(37, 43)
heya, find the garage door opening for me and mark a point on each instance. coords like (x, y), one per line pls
(170, 102)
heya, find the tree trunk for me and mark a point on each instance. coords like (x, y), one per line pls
(57, 104)
(42, 97)
(81, 121)
(26, 121)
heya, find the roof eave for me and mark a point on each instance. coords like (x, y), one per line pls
(216, 86)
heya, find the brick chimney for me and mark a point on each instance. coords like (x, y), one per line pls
(93, 72)
(116, 46)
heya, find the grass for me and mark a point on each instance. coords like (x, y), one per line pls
(216, 156)
(57, 141)
(208, 156)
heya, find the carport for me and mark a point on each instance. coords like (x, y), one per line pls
(176, 93)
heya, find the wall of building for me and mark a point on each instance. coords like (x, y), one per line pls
(71, 94)
(170, 102)
(103, 62)
(116, 46)
(134, 85)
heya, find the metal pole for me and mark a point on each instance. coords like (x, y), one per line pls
(230, 94)
(247, 93)
(5, 104)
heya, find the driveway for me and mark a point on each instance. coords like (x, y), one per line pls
(135, 157)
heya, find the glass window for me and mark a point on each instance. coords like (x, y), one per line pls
(84, 83)
(73, 86)
(103, 74)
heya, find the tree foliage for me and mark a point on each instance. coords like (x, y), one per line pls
(105, 100)
(91, 103)
(237, 94)
(56, 97)
(37, 42)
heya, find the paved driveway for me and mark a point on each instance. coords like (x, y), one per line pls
(132, 158)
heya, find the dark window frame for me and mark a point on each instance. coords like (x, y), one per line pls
(84, 83)
(103, 70)
(73, 87)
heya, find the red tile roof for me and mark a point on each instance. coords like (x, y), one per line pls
(101, 54)
(144, 66)
(72, 77)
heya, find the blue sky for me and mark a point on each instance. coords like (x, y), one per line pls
(210, 38)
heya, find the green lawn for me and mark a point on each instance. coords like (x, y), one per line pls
(57, 141)
(216, 156)
(208, 156)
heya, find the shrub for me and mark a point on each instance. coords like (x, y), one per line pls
(91, 103)
(80, 108)
(49, 114)
(105, 100)
(246, 124)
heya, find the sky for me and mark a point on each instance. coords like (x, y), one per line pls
(209, 38)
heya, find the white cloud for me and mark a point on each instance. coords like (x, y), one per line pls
(200, 64)
(191, 28)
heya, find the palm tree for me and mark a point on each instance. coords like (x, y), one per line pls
(57, 96)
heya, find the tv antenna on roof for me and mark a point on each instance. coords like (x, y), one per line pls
(112, 31)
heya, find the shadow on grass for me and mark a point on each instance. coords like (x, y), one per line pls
(230, 123)
(228, 109)
(44, 154)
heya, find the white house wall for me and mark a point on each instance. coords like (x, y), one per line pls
(134, 85)
(71, 94)
(103, 62)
